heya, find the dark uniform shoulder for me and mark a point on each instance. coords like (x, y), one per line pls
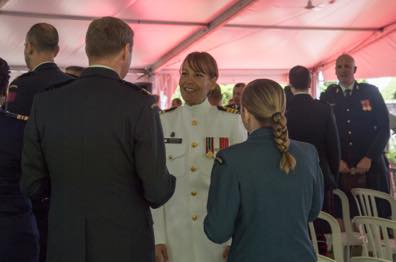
(332, 88)
(58, 85)
(228, 109)
(366, 86)
(135, 87)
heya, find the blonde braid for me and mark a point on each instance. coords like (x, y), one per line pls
(281, 138)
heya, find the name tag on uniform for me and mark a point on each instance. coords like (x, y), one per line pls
(172, 140)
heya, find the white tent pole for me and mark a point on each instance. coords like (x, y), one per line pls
(218, 21)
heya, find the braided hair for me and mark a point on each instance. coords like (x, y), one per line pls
(265, 100)
(4, 76)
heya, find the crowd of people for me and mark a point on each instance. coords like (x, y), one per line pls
(92, 170)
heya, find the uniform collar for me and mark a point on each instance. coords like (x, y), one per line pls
(100, 71)
(201, 108)
(262, 132)
(45, 65)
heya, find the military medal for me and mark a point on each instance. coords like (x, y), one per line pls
(209, 148)
(366, 106)
(224, 143)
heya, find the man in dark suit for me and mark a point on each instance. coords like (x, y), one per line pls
(98, 142)
(41, 48)
(312, 121)
(363, 125)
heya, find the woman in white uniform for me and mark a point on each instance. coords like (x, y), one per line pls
(193, 134)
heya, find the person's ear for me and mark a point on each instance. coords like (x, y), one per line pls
(354, 69)
(213, 82)
(29, 48)
(56, 51)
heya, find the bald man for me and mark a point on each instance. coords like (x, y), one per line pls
(363, 125)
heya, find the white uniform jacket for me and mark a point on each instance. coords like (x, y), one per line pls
(193, 135)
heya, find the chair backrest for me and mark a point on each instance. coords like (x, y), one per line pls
(376, 233)
(366, 201)
(336, 236)
(346, 214)
(368, 259)
(325, 259)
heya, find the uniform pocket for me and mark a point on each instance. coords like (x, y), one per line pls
(175, 159)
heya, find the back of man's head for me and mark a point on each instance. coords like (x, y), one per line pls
(300, 77)
(43, 37)
(106, 36)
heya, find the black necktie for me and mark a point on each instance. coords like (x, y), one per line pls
(347, 92)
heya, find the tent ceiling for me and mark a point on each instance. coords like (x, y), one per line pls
(265, 35)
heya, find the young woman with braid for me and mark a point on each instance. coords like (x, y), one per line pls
(264, 191)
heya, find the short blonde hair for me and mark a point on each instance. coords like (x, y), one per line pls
(266, 101)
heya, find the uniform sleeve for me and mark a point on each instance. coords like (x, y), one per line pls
(382, 122)
(223, 203)
(159, 225)
(158, 185)
(239, 133)
(35, 176)
(318, 190)
(333, 144)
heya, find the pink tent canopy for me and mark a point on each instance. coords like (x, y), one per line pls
(248, 38)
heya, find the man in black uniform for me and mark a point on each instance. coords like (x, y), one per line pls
(99, 142)
(312, 121)
(363, 125)
(235, 101)
(18, 229)
(41, 47)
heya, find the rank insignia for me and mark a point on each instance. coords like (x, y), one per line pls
(366, 106)
(219, 160)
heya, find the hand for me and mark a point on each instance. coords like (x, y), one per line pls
(343, 167)
(364, 165)
(225, 253)
(161, 253)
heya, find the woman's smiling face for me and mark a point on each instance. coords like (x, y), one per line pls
(194, 85)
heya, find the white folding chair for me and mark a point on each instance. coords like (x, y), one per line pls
(349, 238)
(377, 242)
(366, 201)
(325, 259)
(336, 237)
(369, 259)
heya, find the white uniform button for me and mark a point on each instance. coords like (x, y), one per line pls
(193, 168)
(194, 122)
(194, 145)
(349, 132)
(348, 121)
(350, 143)
(193, 193)
(194, 217)
(347, 110)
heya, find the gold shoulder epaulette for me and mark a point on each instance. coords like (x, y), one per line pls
(168, 110)
(228, 109)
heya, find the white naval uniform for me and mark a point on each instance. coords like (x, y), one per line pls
(179, 223)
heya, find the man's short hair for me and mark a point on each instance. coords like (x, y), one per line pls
(43, 37)
(238, 85)
(299, 77)
(4, 76)
(106, 36)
